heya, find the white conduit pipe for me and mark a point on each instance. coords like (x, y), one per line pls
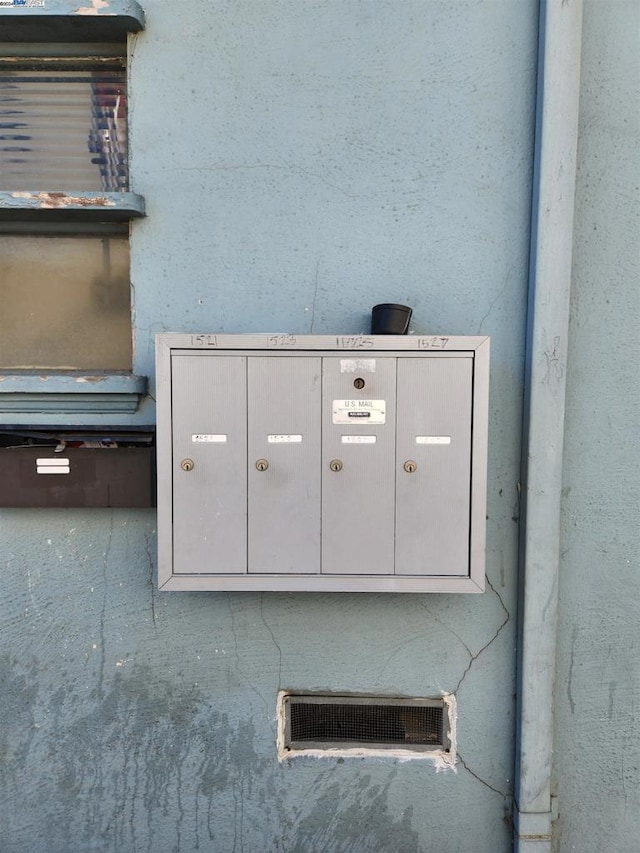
(545, 378)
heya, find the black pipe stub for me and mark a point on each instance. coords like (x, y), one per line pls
(390, 319)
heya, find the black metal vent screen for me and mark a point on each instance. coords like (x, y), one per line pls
(329, 722)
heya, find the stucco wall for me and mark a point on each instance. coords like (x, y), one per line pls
(597, 741)
(300, 162)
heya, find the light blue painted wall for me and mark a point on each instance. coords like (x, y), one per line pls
(300, 162)
(597, 741)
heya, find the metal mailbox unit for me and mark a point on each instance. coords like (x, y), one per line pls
(322, 463)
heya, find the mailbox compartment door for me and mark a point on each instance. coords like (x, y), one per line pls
(284, 395)
(209, 422)
(434, 431)
(359, 439)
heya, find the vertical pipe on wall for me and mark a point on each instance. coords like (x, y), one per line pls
(545, 378)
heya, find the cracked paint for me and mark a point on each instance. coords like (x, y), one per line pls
(555, 367)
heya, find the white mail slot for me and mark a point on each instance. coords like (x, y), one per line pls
(53, 466)
(433, 439)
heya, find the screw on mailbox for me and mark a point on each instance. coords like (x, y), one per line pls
(410, 466)
(262, 464)
(187, 464)
(335, 465)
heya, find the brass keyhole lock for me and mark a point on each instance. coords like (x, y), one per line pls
(187, 464)
(335, 465)
(262, 464)
(410, 466)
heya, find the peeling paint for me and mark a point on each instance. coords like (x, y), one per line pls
(94, 9)
(56, 200)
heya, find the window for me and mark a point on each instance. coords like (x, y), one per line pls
(63, 128)
(65, 302)
(65, 200)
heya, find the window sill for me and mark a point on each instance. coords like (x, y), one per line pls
(70, 20)
(72, 392)
(35, 206)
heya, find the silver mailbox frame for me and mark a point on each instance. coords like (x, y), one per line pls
(477, 348)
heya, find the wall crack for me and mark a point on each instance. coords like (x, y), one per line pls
(494, 301)
(479, 778)
(315, 296)
(475, 657)
(239, 670)
(273, 638)
(103, 608)
(151, 573)
(447, 628)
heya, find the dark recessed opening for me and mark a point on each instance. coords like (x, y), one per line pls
(330, 722)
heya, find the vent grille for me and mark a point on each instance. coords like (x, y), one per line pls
(347, 722)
